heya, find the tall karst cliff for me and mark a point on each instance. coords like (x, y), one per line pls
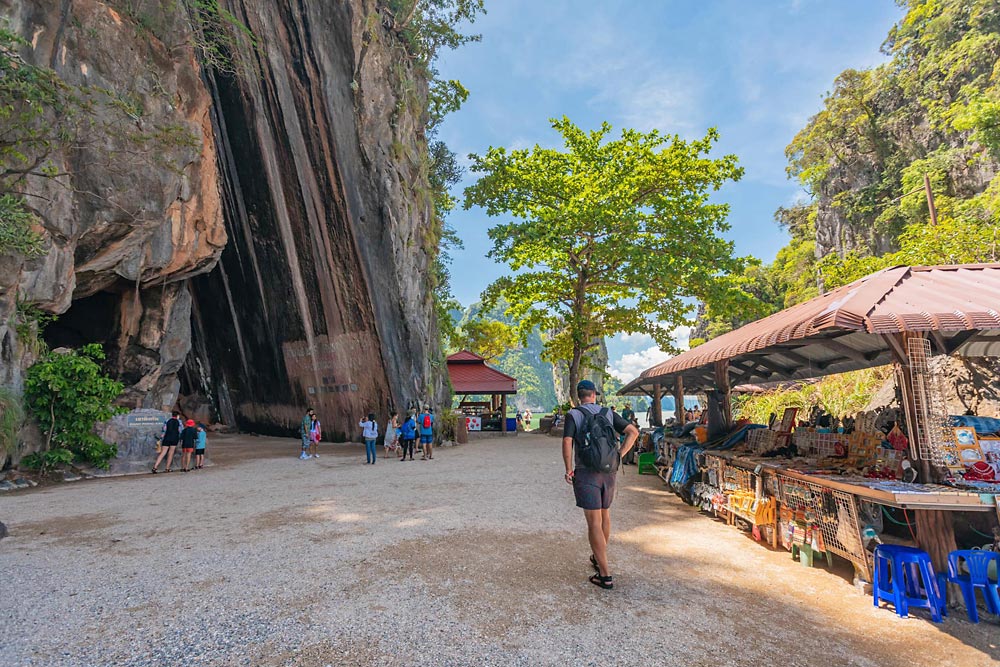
(322, 296)
(275, 255)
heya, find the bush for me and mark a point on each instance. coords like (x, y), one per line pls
(69, 393)
(11, 418)
(16, 229)
(46, 461)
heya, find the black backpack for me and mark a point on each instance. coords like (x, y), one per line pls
(597, 441)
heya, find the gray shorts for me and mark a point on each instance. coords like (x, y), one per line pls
(594, 490)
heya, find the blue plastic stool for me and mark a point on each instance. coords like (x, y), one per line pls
(897, 570)
(978, 563)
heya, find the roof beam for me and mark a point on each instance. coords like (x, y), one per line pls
(846, 350)
(961, 338)
(762, 360)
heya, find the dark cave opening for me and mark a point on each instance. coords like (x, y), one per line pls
(92, 319)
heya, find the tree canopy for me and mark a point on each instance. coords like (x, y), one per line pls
(608, 235)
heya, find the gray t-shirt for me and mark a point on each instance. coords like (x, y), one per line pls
(574, 421)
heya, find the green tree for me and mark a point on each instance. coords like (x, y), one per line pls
(487, 337)
(608, 236)
(68, 393)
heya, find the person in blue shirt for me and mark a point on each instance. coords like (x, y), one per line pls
(425, 420)
(407, 434)
(199, 447)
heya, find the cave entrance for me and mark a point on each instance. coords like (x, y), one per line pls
(92, 319)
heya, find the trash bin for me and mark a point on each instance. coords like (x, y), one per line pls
(511, 424)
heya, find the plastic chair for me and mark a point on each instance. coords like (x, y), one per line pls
(904, 576)
(978, 563)
(647, 463)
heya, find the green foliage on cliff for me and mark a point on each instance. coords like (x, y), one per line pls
(68, 393)
(11, 419)
(26, 138)
(933, 109)
(425, 27)
(608, 236)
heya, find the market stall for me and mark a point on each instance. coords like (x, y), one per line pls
(813, 487)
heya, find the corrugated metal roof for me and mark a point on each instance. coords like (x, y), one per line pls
(832, 332)
(470, 375)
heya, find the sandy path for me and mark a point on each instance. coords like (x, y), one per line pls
(475, 558)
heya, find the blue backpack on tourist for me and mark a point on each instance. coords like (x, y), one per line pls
(408, 429)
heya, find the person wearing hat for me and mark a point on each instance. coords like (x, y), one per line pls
(188, 437)
(594, 489)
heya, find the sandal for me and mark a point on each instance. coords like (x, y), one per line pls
(154, 471)
(604, 582)
(168, 470)
(593, 561)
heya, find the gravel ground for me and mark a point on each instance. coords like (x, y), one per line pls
(476, 558)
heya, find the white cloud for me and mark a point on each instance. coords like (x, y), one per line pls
(629, 366)
(635, 337)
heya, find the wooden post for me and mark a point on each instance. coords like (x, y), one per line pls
(657, 407)
(679, 399)
(930, 199)
(722, 384)
(503, 413)
(936, 535)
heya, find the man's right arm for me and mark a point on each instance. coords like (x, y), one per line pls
(567, 447)
(569, 430)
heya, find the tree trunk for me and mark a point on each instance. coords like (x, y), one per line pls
(52, 426)
(574, 373)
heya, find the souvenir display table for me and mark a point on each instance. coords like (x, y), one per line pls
(813, 502)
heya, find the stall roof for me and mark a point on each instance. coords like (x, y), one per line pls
(470, 375)
(845, 328)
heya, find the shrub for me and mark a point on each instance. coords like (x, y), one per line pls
(69, 393)
(11, 418)
(46, 461)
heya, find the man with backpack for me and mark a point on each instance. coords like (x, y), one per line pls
(592, 458)
(426, 422)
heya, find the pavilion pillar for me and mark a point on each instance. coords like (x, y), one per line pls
(722, 384)
(679, 399)
(657, 405)
(503, 413)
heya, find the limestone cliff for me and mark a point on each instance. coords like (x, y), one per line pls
(322, 296)
(137, 210)
(309, 169)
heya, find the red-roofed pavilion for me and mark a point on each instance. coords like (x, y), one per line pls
(470, 376)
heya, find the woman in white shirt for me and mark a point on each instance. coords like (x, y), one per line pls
(391, 442)
(370, 434)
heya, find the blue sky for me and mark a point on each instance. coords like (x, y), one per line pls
(757, 70)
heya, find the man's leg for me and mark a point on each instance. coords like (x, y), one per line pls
(430, 450)
(598, 539)
(606, 525)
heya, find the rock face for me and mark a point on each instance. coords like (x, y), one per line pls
(322, 297)
(311, 172)
(138, 211)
